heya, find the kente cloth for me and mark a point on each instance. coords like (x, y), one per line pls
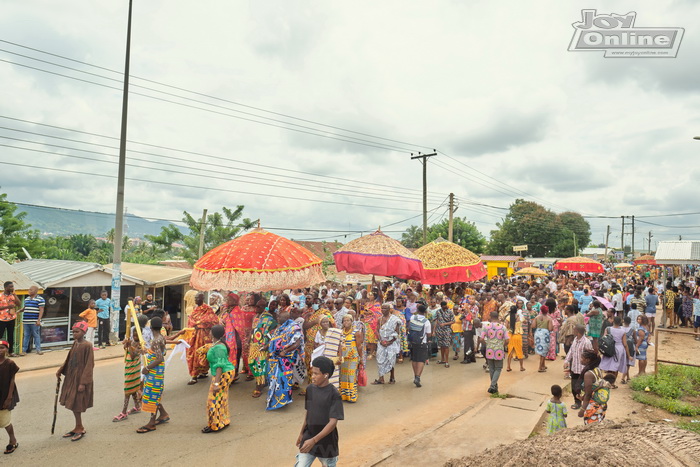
(132, 374)
(334, 340)
(348, 369)
(370, 316)
(404, 333)
(153, 384)
(202, 320)
(243, 322)
(310, 335)
(263, 325)
(230, 333)
(77, 370)
(217, 403)
(283, 364)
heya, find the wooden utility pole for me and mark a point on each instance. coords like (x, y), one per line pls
(622, 236)
(632, 237)
(202, 225)
(607, 237)
(424, 161)
(649, 240)
(450, 228)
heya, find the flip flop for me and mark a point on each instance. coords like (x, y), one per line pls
(541, 371)
(70, 434)
(78, 436)
(249, 378)
(160, 421)
(256, 394)
(376, 381)
(192, 381)
(522, 369)
(145, 429)
(10, 448)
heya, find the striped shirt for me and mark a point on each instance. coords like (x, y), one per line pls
(31, 308)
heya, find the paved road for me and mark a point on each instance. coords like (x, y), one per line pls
(385, 416)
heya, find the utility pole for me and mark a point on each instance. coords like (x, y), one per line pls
(650, 235)
(424, 161)
(622, 236)
(575, 249)
(607, 237)
(632, 237)
(450, 228)
(201, 232)
(119, 214)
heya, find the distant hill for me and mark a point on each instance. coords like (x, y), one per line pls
(59, 222)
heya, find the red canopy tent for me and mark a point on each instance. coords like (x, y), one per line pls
(445, 262)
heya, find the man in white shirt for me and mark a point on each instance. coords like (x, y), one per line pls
(551, 286)
(618, 302)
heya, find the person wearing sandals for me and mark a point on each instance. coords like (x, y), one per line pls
(8, 395)
(202, 320)
(223, 372)
(132, 376)
(77, 389)
(153, 383)
(495, 336)
(263, 326)
(351, 348)
(515, 344)
(573, 360)
(444, 320)
(389, 344)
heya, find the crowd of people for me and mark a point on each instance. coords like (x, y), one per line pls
(284, 341)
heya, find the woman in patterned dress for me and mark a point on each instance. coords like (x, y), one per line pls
(444, 320)
(223, 372)
(263, 325)
(351, 358)
(312, 324)
(202, 320)
(370, 316)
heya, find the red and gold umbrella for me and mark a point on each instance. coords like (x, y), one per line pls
(260, 261)
(646, 259)
(445, 262)
(579, 264)
(380, 255)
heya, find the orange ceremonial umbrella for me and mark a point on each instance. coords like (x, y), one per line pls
(579, 264)
(379, 255)
(530, 272)
(645, 259)
(445, 262)
(260, 261)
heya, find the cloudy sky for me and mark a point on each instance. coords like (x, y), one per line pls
(307, 112)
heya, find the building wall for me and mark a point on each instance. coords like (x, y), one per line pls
(492, 268)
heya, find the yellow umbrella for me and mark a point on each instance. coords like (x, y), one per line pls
(530, 272)
(623, 266)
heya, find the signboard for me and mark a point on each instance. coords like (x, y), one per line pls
(520, 248)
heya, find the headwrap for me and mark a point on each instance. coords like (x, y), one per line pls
(82, 325)
(5, 343)
(235, 295)
(544, 308)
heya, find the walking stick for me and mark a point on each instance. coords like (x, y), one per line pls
(55, 405)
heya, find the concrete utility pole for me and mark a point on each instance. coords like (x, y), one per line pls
(632, 237)
(450, 228)
(650, 235)
(622, 236)
(424, 161)
(202, 225)
(119, 214)
(607, 237)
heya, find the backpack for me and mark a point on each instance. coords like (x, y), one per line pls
(416, 329)
(631, 344)
(606, 345)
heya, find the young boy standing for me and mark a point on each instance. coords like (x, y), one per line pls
(8, 394)
(77, 390)
(90, 315)
(318, 438)
(104, 308)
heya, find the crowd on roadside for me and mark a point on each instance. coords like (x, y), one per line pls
(600, 325)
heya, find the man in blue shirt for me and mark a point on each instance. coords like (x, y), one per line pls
(104, 306)
(33, 311)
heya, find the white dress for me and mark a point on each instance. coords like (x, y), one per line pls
(386, 356)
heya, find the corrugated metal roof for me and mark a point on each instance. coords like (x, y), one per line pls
(500, 258)
(21, 281)
(51, 271)
(155, 275)
(678, 252)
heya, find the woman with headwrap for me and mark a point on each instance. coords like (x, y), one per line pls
(215, 301)
(202, 320)
(244, 326)
(233, 341)
(542, 328)
(263, 325)
(286, 351)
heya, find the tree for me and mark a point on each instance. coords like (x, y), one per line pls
(543, 231)
(15, 233)
(218, 229)
(464, 234)
(412, 237)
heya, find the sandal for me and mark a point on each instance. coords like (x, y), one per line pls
(206, 429)
(78, 436)
(145, 429)
(192, 381)
(10, 448)
(542, 370)
(249, 378)
(120, 417)
(134, 410)
(509, 369)
(447, 365)
(376, 381)
(256, 394)
(70, 434)
(522, 369)
(441, 362)
(576, 407)
(161, 421)
(392, 381)
(455, 357)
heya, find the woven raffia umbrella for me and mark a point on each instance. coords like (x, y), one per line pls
(645, 259)
(259, 261)
(379, 255)
(530, 272)
(579, 264)
(623, 266)
(445, 262)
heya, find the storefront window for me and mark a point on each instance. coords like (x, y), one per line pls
(80, 298)
(57, 303)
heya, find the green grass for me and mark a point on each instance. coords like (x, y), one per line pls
(499, 396)
(694, 427)
(668, 389)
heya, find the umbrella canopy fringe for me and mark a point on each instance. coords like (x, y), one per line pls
(259, 282)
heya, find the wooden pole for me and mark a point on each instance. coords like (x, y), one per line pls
(450, 229)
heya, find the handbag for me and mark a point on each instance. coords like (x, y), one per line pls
(362, 377)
